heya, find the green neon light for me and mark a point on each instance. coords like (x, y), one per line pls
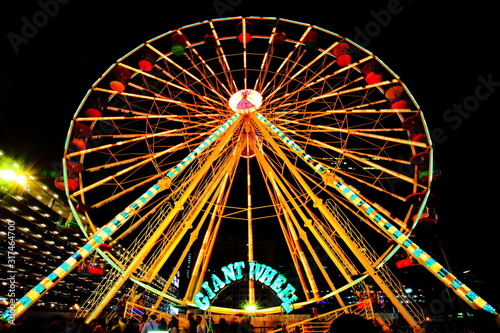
(258, 272)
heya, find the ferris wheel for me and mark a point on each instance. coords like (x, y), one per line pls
(252, 127)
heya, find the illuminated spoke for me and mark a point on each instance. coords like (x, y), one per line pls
(248, 126)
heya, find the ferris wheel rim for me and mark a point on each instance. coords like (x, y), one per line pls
(118, 63)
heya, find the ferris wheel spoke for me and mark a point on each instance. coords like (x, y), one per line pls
(172, 173)
(313, 80)
(334, 92)
(183, 88)
(265, 63)
(337, 108)
(319, 58)
(286, 202)
(64, 269)
(159, 98)
(460, 289)
(284, 64)
(354, 196)
(354, 243)
(205, 65)
(357, 157)
(244, 58)
(125, 190)
(299, 192)
(308, 85)
(216, 212)
(353, 90)
(191, 123)
(279, 77)
(146, 114)
(114, 178)
(184, 71)
(362, 133)
(139, 115)
(134, 225)
(134, 139)
(176, 230)
(320, 131)
(282, 116)
(224, 63)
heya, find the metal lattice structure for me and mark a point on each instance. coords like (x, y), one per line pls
(191, 121)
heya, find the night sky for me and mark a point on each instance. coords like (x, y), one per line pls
(53, 51)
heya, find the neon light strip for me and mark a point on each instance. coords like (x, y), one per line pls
(349, 193)
(420, 255)
(290, 143)
(53, 278)
(105, 232)
(189, 158)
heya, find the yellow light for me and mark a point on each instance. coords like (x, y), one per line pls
(250, 308)
(12, 176)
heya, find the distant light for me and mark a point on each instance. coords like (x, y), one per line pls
(250, 308)
(12, 176)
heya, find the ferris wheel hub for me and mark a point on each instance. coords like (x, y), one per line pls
(245, 101)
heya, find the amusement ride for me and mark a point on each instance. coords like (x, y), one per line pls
(250, 125)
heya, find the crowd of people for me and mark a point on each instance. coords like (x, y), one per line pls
(149, 323)
(117, 324)
(345, 323)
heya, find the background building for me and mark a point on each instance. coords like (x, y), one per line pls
(34, 239)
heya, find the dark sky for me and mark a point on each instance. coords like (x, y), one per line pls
(53, 51)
